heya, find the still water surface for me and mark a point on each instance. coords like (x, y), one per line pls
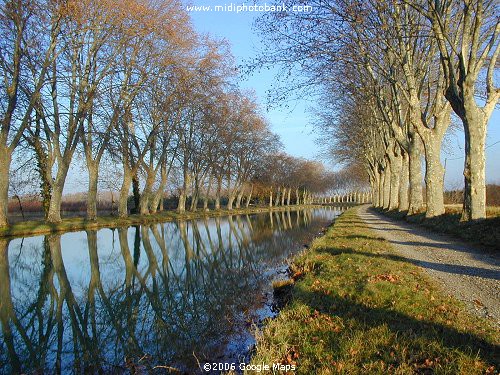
(171, 294)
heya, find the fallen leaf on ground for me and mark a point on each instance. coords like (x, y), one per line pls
(384, 277)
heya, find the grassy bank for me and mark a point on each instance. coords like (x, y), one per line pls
(356, 307)
(483, 232)
(38, 227)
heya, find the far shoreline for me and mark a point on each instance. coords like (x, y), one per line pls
(74, 224)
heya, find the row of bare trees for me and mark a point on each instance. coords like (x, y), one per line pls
(130, 84)
(390, 74)
(283, 179)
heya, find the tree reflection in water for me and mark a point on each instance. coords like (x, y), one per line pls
(85, 303)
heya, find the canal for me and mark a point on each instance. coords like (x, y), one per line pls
(174, 294)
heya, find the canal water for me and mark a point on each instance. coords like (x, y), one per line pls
(141, 298)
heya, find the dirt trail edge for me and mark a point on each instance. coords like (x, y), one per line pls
(471, 275)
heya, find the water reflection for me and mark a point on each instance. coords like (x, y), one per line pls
(134, 298)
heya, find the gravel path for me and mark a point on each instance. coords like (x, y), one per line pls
(471, 275)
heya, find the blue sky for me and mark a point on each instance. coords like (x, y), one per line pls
(290, 123)
(293, 124)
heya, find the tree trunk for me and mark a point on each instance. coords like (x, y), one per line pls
(396, 163)
(181, 205)
(375, 188)
(93, 171)
(415, 171)
(218, 193)
(136, 192)
(147, 192)
(156, 202)
(288, 196)
(380, 188)
(403, 183)
(474, 206)
(387, 186)
(45, 175)
(297, 195)
(230, 201)
(249, 197)
(434, 177)
(207, 193)
(239, 198)
(271, 199)
(283, 196)
(54, 215)
(5, 160)
(124, 190)
(194, 200)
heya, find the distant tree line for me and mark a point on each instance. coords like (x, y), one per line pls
(389, 74)
(457, 196)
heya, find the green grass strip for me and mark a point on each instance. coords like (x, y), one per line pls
(358, 308)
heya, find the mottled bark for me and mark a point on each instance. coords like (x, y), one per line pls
(42, 167)
(147, 192)
(54, 215)
(380, 187)
(239, 197)
(218, 193)
(395, 161)
(207, 193)
(415, 170)
(194, 201)
(375, 185)
(181, 206)
(124, 191)
(249, 197)
(93, 172)
(434, 177)
(230, 201)
(474, 206)
(5, 159)
(404, 181)
(136, 193)
(156, 202)
(387, 186)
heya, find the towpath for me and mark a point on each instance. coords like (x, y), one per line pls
(471, 275)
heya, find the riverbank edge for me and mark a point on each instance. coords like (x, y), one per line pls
(74, 224)
(354, 306)
(482, 233)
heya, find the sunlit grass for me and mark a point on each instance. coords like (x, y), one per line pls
(359, 308)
